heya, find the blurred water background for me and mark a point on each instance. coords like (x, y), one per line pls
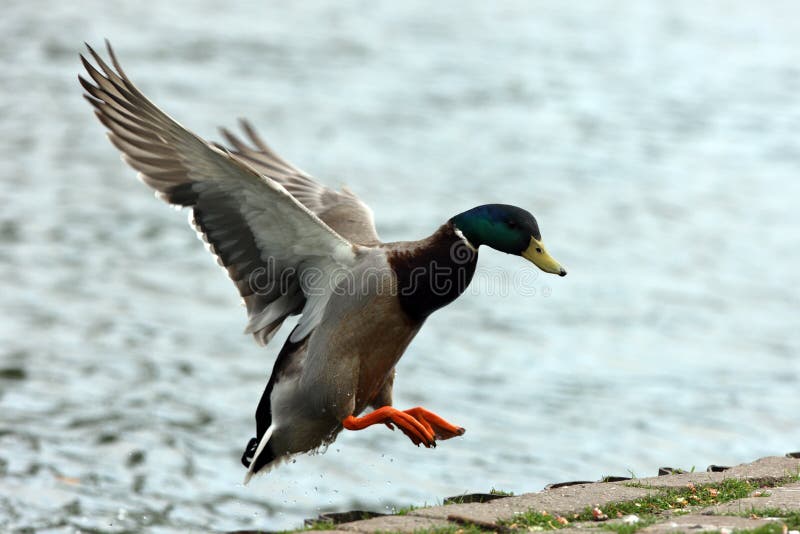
(657, 143)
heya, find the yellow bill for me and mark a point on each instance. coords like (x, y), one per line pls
(537, 254)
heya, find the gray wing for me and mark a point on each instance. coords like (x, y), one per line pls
(342, 210)
(260, 233)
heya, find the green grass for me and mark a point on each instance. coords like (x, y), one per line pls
(626, 528)
(648, 508)
(774, 528)
(454, 529)
(790, 518)
(321, 525)
(405, 510)
(537, 520)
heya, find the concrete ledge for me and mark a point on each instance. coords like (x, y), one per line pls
(701, 523)
(783, 498)
(770, 468)
(570, 499)
(393, 523)
(562, 501)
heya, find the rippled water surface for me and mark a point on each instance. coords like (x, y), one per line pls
(656, 142)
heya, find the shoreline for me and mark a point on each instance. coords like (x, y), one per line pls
(762, 496)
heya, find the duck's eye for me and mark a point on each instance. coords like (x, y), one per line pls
(539, 250)
(511, 224)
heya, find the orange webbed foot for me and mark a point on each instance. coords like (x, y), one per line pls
(415, 430)
(434, 424)
(420, 425)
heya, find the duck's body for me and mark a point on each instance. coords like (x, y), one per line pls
(347, 363)
(295, 247)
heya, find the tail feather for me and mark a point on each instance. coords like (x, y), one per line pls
(257, 463)
(260, 456)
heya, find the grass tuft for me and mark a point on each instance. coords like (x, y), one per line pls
(628, 528)
(790, 518)
(647, 508)
(320, 525)
(405, 510)
(454, 529)
(537, 521)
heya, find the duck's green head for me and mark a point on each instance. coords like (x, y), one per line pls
(508, 229)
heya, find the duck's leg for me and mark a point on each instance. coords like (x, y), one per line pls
(435, 425)
(415, 430)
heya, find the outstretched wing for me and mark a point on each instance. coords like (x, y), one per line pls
(267, 240)
(341, 210)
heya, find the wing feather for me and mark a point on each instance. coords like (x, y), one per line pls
(262, 235)
(341, 210)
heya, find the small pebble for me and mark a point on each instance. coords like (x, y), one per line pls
(598, 514)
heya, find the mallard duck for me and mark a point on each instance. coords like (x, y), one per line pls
(295, 247)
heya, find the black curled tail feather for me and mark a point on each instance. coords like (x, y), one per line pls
(264, 410)
(266, 456)
(249, 452)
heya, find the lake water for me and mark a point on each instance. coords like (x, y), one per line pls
(657, 143)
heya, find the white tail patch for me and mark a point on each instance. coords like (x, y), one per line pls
(259, 450)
